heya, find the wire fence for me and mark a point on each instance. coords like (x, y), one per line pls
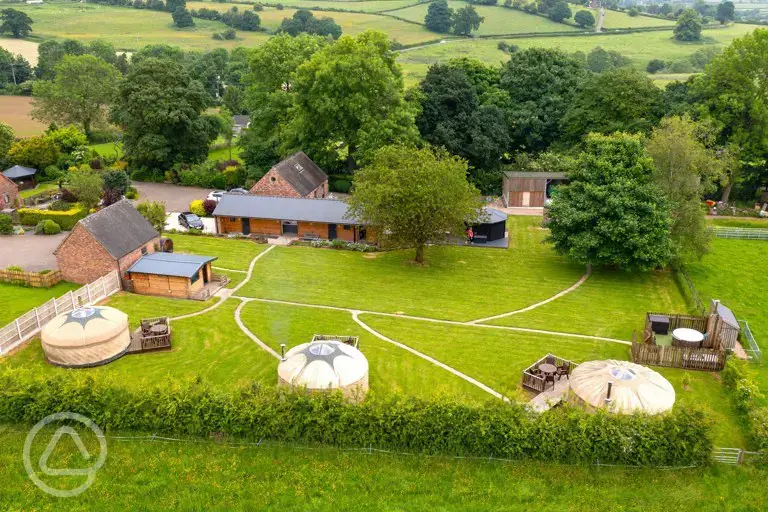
(690, 289)
(739, 233)
(752, 349)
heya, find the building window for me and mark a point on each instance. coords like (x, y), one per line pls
(194, 278)
(144, 250)
(232, 219)
(347, 227)
(6, 199)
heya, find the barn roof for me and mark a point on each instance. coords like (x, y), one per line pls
(283, 208)
(543, 175)
(119, 228)
(17, 171)
(170, 264)
(301, 173)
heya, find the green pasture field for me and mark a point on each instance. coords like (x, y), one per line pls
(352, 5)
(739, 222)
(616, 19)
(16, 300)
(126, 28)
(641, 47)
(159, 476)
(498, 20)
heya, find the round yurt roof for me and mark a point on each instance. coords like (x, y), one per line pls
(635, 387)
(86, 336)
(323, 365)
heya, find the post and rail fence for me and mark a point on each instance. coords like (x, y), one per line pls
(29, 324)
(739, 233)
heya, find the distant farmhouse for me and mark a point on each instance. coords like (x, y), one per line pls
(297, 176)
(34, 2)
(111, 239)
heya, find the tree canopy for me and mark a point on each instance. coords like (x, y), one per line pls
(304, 21)
(18, 23)
(611, 214)
(465, 20)
(726, 12)
(414, 196)
(688, 26)
(439, 17)
(68, 98)
(174, 130)
(584, 19)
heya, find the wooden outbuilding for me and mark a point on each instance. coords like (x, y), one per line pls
(530, 189)
(181, 276)
(23, 177)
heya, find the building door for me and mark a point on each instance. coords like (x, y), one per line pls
(526, 199)
(290, 227)
(246, 226)
(331, 231)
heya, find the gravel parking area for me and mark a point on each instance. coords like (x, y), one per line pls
(172, 222)
(176, 198)
(29, 251)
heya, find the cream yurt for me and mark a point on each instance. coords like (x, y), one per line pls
(325, 365)
(87, 336)
(622, 387)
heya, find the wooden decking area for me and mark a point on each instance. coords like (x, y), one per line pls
(217, 282)
(144, 340)
(545, 400)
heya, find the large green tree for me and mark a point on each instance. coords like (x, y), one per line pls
(688, 26)
(685, 170)
(726, 12)
(733, 94)
(6, 139)
(18, 23)
(86, 185)
(611, 214)
(414, 196)
(465, 20)
(541, 83)
(14, 69)
(83, 87)
(618, 100)
(439, 17)
(35, 152)
(349, 100)
(160, 109)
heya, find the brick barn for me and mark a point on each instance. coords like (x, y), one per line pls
(297, 176)
(9, 193)
(287, 216)
(111, 239)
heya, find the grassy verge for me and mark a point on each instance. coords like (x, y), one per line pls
(232, 254)
(39, 189)
(16, 300)
(143, 475)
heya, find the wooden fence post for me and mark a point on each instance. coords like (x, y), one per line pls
(18, 329)
(37, 318)
(88, 289)
(72, 300)
(103, 286)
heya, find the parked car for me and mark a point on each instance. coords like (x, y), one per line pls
(238, 191)
(215, 195)
(190, 221)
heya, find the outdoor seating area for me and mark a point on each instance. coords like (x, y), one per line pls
(545, 372)
(152, 334)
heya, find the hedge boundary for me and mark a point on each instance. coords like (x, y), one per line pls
(496, 429)
(66, 220)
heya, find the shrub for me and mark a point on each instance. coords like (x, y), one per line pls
(342, 186)
(60, 206)
(66, 220)
(209, 205)
(258, 7)
(197, 207)
(68, 196)
(110, 196)
(758, 420)
(279, 7)
(47, 227)
(655, 65)
(6, 224)
(131, 193)
(338, 244)
(439, 426)
(15, 268)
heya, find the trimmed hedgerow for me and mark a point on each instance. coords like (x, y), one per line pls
(498, 429)
(66, 220)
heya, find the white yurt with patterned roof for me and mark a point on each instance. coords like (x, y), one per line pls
(622, 387)
(325, 366)
(86, 336)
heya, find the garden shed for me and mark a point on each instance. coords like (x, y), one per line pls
(23, 177)
(171, 274)
(529, 189)
(87, 336)
(493, 228)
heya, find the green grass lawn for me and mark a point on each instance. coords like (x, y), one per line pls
(617, 302)
(39, 189)
(221, 154)
(110, 149)
(160, 476)
(234, 254)
(640, 47)
(392, 370)
(738, 222)
(126, 28)
(498, 20)
(458, 283)
(16, 300)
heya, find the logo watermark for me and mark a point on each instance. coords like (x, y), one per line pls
(42, 464)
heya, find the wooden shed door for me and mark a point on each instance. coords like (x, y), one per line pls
(246, 226)
(526, 199)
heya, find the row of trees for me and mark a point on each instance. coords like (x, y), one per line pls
(443, 19)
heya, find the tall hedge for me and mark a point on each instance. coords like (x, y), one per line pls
(66, 220)
(497, 429)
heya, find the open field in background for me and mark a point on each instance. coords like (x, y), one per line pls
(27, 49)
(128, 29)
(354, 5)
(392, 370)
(458, 283)
(15, 110)
(157, 476)
(614, 19)
(17, 300)
(498, 20)
(640, 47)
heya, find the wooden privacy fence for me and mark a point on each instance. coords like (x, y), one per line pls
(678, 357)
(29, 324)
(34, 279)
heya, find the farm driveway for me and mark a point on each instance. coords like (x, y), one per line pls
(176, 198)
(29, 251)
(172, 222)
